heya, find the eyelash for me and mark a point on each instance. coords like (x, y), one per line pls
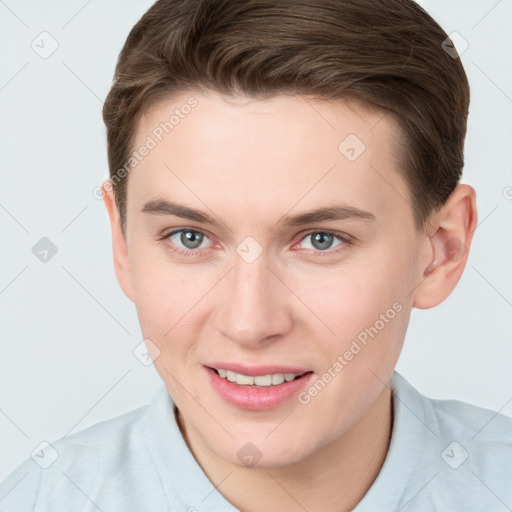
(345, 239)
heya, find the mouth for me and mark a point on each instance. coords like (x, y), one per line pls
(257, 381)
(267, 387)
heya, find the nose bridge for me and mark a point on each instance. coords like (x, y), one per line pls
(253, 307)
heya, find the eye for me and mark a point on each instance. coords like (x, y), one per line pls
(186, 241)
(322, 241)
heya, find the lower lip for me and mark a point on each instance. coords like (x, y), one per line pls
(254, 398)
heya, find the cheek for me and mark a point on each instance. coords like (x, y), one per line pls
(365, 303)
(173, 305)
(348, 299)
(163, 295)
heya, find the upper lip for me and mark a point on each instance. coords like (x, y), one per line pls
(255, 371)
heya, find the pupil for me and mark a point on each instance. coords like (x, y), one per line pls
(323, 239)
(192, 238)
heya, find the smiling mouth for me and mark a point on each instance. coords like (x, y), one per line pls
(259, 381)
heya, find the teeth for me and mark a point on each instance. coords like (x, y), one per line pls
(244, 380)
(261, 380)
(278, 378)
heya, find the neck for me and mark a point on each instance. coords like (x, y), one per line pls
(334, 478)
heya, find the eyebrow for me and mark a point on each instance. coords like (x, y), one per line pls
(329, 213)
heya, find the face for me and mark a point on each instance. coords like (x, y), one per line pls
(234, 278)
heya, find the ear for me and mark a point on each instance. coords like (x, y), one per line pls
(119, 247)
(452, 232)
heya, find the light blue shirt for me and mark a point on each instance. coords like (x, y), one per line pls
(444, 455)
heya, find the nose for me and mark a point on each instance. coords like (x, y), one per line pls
(254, 305)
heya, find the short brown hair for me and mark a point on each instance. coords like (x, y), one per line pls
(386, 52)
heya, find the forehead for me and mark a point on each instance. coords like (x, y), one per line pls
(250, 156)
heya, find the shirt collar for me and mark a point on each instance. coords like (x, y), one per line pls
(408, 440)
(180, 473)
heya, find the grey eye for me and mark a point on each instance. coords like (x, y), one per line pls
(191, 239)
(321, 240)
(187, 238)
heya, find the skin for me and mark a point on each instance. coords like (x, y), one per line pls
(250, 163)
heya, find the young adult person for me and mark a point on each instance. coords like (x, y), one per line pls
(284, 190)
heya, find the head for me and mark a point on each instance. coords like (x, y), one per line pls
(228, 124)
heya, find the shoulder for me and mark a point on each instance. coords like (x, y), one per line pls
(475, 453)
(454, 418)
(466, 456)
(67, 470)
(484, 425)
(487, 434)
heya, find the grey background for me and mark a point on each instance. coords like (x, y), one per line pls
(67, 331)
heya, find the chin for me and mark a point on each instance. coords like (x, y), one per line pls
(261, 453)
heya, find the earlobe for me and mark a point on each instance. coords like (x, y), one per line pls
(453, 230)
(119, 246)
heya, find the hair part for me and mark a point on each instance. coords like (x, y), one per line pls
(386, 54)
